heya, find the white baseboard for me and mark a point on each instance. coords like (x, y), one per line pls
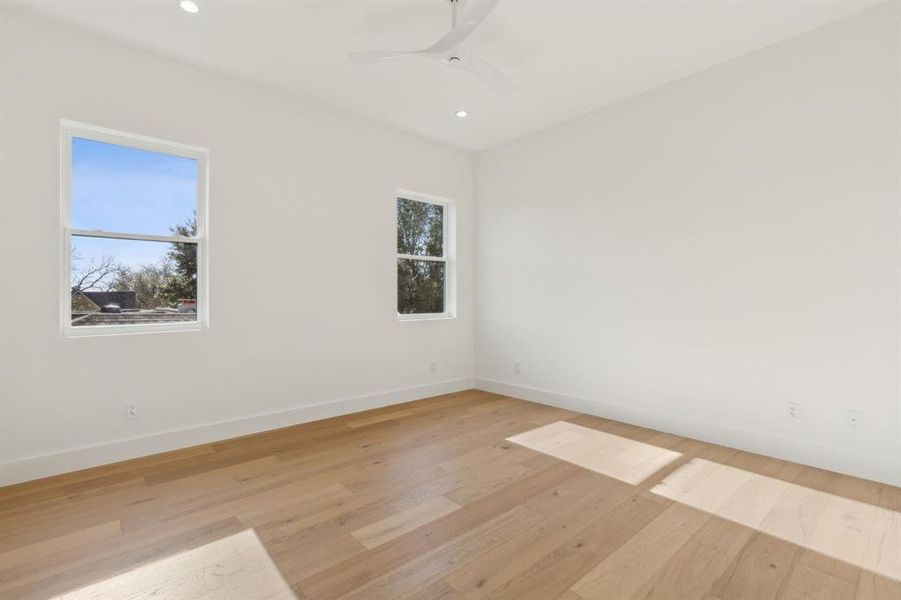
(35, 467)
(867, 466)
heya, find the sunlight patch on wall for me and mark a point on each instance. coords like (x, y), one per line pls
(605, 453)
(855, 532)
(237, 566)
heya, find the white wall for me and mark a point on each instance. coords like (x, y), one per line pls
(697, 256)
(302, 261)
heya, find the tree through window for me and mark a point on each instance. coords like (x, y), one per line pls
(422, 265)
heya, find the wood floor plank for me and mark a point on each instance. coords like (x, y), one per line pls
(302, 561)
(625, 572)
(558, 570)
(854, 531)
(692, 571)
(871, 586)
(567, 508)
(612, 455)
(32, 493)
(18, 556)
(235, 566)
(440, 590)
(114, 560)
(379, 418)
(759, 571)
(351, 574)
(806, 583)
(391, 527)
(428, 568)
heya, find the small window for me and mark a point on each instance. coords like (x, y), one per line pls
(134, 233)
(424, 257)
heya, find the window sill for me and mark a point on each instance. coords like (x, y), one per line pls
(120, 330)
(429, 317)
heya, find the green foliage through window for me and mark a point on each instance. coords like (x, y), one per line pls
(420, 286)
(183, 282)
(420, 228)
(420, 283)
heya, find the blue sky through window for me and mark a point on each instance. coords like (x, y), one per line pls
(122, 189)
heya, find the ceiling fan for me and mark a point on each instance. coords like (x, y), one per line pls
(452, 50)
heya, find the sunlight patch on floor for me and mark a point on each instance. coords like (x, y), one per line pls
(601, 452)
(855, 532)
(234, 567)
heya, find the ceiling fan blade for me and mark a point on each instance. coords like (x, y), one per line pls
(367, 58)
(489, 75)
(474, 13)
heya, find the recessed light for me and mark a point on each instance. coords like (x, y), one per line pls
(461, 114)
(189, 6)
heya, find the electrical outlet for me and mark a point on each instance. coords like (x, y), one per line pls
(517, 368)
(854, 418)
(433, 367)
(131, 412)
(793, 410)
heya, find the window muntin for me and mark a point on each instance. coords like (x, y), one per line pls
(424, 272)
(134, 235)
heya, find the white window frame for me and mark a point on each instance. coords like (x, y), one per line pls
(73, 129)
(449, 245)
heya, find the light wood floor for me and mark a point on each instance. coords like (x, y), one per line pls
(457, 497)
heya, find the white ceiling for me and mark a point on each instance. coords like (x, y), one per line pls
(567, 56)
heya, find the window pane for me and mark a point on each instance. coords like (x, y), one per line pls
(127, 282)
(420, 286)
(420, 228)
(116, 188)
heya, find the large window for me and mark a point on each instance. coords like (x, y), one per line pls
(134, 233)
(425, 270)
